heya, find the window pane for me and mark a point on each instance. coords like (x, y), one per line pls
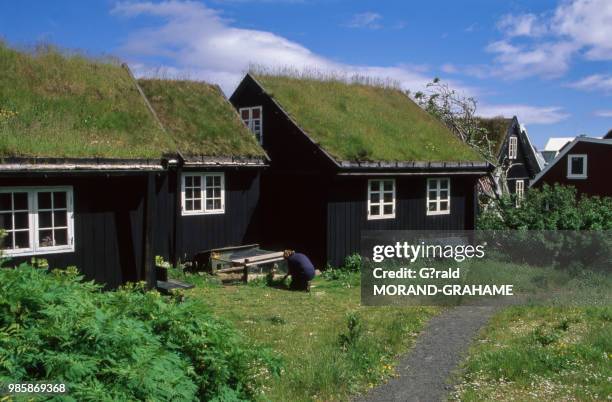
(45, 238)
(197, 205)
(44, 219)
(21, 220)
(245, 114)
(217, 180)
(209, 181)
(375, 197)
(256, 113)
(432, 206)
(388, 197)
(59, 199)
(388, 209)
(188, 205)
(209, 193)
(189, 193)
(6, 203)
(188, 181)
(6, 242)
(61, 237)
(388, 185)
(433, 195)
(444, 184)
(6, 221)
(444, 194)
(22, 239)
(20, 200)
(374, 185)
(60, 218)
(209, 204)
(374, 210)
(577, 165)
(217, 193)
(197, 181)
(444, 206)
(44, 200)
(432, 184)
(217, 204)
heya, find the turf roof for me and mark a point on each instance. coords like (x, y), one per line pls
(68, 106)
(497, 128)
(355, 122)
(200, 119)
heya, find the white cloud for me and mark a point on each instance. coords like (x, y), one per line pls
(553, 40)
(368, 20)
(549, 59)
(595, 82)
(588, 23)
(603, 113)
(194, 41)
(521, 25)
(526, 114)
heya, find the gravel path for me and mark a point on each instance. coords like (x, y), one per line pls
(424, 372)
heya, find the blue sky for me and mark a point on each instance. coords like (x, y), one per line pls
(547, 61)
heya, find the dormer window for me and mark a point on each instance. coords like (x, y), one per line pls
(512, 147)
(252, 117)
(576, 166)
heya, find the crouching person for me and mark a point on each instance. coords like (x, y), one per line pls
(301, 270)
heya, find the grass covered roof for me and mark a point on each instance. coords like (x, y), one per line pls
(355, 121)
(200, 119)
(69, 106)
(497, 128)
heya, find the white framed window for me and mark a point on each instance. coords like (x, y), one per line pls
(381, 199)
(36, 220)
(519, 191)
(577, 166)
(512, 147)
(203, 193)
(252, 117)
(438, 196)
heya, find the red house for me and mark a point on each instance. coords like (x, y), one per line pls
(585, 163)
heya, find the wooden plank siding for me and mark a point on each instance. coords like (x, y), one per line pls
(347, 212)
(181, 236)
(108, 225)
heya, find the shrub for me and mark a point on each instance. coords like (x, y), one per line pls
(549, 208)
(128, 344)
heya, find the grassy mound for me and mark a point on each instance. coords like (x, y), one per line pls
(122, 345)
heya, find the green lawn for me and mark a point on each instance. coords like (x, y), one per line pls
(323, 360)
(541, 354)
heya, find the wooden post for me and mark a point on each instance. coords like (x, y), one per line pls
(149, 210)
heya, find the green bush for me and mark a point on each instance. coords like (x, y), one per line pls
(549, 208)
(129, 344)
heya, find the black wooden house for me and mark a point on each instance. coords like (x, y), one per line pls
(518, 161)
(209, 197)
(348, 157)
(95, 175)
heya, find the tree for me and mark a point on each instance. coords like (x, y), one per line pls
(458, 112)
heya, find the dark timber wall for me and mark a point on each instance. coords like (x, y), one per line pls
(194, 233)
(108, 225)
(347, 211)
(599, 167)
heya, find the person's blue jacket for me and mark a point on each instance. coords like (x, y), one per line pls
(300, 266)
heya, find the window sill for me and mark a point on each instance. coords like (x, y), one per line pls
(378, 218)
(30, 252)
(577, 177)
(199, 213)
(438, 213)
